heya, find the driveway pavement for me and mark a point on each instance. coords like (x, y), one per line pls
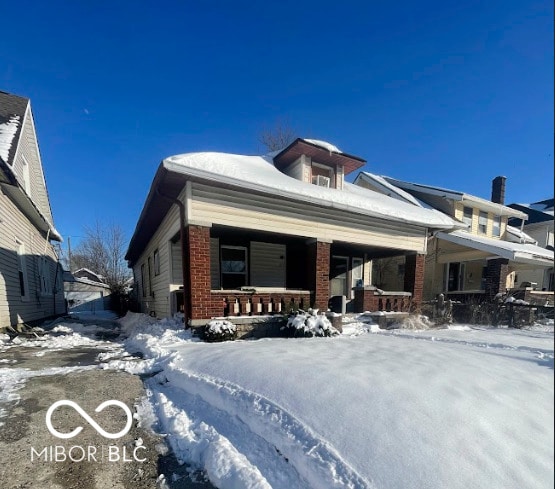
(32, 379)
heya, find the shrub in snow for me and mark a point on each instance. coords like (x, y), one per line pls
(307, 324)
(220, 331)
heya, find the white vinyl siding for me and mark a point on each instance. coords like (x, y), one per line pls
(157, 300)
(14, 225)
(28, 167)
(266, 213)
(267, 264)
(176, 263)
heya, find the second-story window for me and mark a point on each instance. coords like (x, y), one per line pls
(483, 222)
(496, 230)
(467, 216)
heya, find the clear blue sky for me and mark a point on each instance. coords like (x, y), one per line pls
(445, 93)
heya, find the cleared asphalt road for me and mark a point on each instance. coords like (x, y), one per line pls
(32, 457)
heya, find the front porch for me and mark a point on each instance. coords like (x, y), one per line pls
(237, 273)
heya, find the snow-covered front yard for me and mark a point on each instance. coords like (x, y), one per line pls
(464, 407)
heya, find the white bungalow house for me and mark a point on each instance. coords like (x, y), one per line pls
(223, 234)
(30, 275)
(480, 260)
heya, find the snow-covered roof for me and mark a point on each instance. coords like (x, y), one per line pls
(258, 173)
(90, 272)
(388, 189)
(324, 144)
(12, 113)
(517, 252)
(499, 209)
(8, 130)
(518, 236)
(537, 212)
(543, 206)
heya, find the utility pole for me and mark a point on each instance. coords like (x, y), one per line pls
(69, 252)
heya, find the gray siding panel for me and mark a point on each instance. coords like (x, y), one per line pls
(267, 264)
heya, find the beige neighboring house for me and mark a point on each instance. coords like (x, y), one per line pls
(234, 235)
(480, 260)
(30, 274)
(85, 291)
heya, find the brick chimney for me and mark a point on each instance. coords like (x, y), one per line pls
(498, 190)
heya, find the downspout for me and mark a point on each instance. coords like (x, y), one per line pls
(184, 256)
(46, 242)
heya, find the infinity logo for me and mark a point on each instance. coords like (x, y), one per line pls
(89, 420)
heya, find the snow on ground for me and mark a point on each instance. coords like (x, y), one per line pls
(13, 379)
(411, 407)
(458, 407)
(61, 335)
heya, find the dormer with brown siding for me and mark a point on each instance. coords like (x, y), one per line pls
(317, 162)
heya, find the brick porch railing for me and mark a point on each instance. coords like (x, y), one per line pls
(373, 299)
(257, 302)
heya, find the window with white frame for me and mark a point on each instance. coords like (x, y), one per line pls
(26, 176)
(156, 262)
(143, 280)
(22, 270)
(233, 266)
(150, 276)
(322, 175)
(467, 216)
(44, 276)
(496, 229)
(483, 222)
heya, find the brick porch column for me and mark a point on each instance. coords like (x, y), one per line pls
(319, 273)
(414, 277)
(496, 276)
(198, 238)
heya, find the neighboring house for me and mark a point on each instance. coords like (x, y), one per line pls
(85, 290)
(30, 275)
(479, 261)
(248, 235)
(539, 228)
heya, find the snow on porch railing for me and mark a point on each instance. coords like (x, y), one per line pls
(255, 303)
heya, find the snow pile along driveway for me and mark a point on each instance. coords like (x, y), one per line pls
(457, 408)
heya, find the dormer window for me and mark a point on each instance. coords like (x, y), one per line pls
(316, 162)
(322, 175)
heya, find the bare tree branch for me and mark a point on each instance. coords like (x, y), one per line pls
(102, 251)
(278, 137)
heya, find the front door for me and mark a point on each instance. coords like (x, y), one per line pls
(339, 267)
